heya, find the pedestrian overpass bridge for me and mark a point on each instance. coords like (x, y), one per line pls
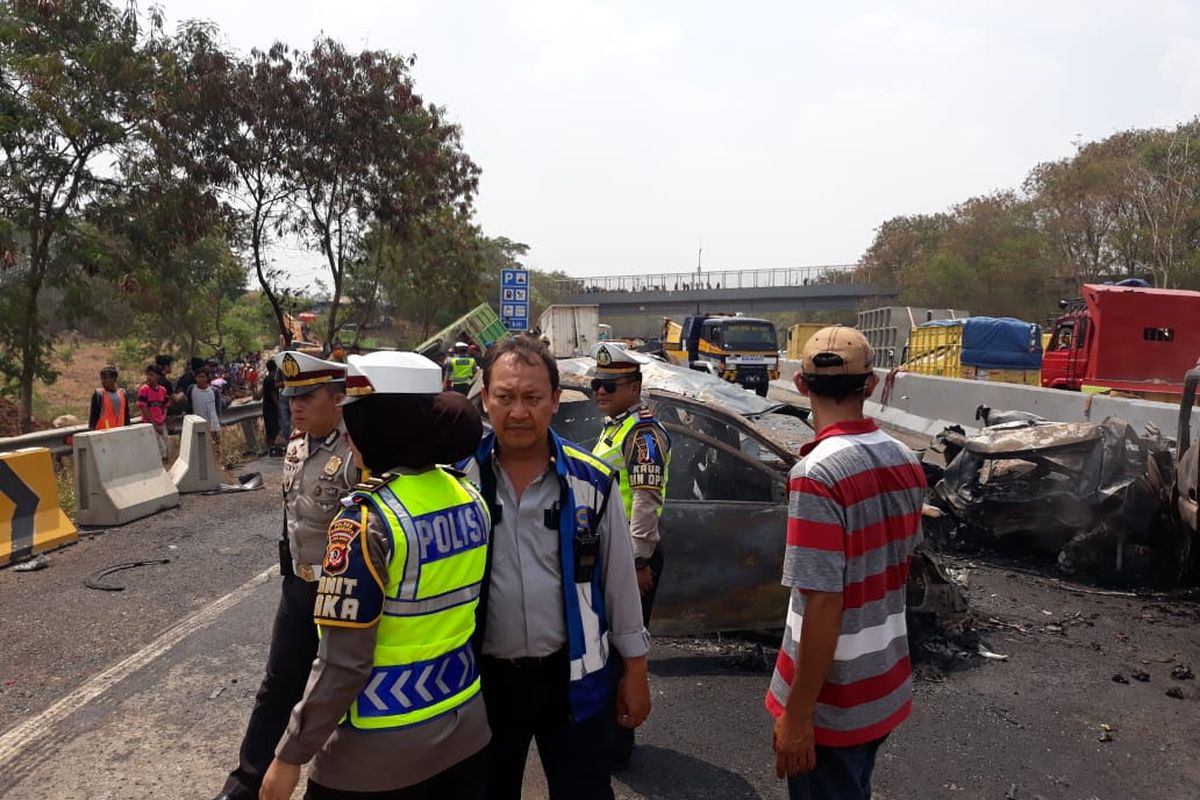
(633, 304)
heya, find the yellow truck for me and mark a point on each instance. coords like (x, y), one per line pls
(977, 348)
(798, 334)
(741, 350)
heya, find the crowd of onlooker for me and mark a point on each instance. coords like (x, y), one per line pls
(205, 389)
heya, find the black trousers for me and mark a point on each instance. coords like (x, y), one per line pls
(290, 660)
(622, 739)
(530, 702)
(463, 781)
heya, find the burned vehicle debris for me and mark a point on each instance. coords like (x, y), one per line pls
(1094, 497)
(1187, 485)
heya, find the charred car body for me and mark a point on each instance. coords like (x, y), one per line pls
(1095, 496)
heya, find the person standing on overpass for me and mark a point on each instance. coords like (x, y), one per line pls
(460, 369)
(843, 680)
(318, 469)
(635, 444)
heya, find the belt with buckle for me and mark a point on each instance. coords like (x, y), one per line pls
(306, 572)
(529, 662)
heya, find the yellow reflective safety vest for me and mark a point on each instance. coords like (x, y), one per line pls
(462, 369)
(651, 457)
(424, 606)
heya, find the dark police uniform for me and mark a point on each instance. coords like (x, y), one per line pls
(317, 473)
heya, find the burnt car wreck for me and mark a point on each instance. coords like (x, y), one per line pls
(1098, 498)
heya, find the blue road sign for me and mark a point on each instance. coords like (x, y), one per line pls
(514, 299)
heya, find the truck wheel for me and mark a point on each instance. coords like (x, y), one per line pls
(761, 389)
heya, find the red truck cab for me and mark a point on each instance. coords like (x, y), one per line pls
(1128, 339)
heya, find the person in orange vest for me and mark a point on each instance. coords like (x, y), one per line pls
(110, 405)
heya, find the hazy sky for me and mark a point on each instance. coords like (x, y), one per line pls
(614, 135)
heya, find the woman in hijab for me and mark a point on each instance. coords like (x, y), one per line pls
(393, 709)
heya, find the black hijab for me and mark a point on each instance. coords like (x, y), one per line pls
(412, 430)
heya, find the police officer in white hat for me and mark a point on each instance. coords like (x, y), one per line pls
(318, 470)
(393, 708)
(636, 444)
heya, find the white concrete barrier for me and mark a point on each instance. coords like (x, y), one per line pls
(196, 468)
(927, 403)
(119, 476)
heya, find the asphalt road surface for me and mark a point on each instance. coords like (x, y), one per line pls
(144, 693)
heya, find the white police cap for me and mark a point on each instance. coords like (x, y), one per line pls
(613, 360)
(303, 373)
(391, 372)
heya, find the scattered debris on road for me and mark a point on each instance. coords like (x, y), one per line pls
(1182, 672)
(1175, 692)
(32, 565)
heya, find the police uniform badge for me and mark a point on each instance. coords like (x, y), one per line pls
(603, 357)
(333, 465)
(291, 368)
(342, 532)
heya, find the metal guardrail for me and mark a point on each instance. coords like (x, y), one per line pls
(707, 280)
(58, 440)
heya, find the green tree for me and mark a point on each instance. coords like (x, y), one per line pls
(368, 151)
(1165, 183)
(77, 83)
(255, 134)
(433, 271)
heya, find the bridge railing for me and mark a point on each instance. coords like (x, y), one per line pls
(709, 280)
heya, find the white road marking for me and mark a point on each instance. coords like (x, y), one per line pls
(16, 741)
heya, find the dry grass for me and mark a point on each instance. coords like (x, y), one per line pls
(234, 450)
(64, 475)
(78, 368)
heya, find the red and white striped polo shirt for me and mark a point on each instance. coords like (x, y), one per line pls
(854, 519)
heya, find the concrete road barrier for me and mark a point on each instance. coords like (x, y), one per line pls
(196, 469)
(927, 403)
(31, 520)
(955, 400)
(119, 476)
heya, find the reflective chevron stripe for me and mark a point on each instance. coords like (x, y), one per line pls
(412, 687)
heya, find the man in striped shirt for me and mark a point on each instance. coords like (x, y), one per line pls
(843, 680)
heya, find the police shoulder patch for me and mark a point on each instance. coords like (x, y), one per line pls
(350, 593)
(646, 458)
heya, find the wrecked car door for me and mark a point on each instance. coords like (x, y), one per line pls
(723, 524)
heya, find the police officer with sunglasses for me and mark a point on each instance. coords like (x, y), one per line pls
(635, 443)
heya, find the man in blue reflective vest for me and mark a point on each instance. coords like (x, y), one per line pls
(560, 592)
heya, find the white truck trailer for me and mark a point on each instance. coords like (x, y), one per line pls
(571, 330)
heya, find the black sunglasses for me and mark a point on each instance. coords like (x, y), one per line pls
(609, 385)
